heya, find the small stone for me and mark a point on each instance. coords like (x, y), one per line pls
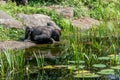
(85, 23)
(66, 12)
(2, 2)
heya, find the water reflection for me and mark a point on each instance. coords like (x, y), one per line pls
(51, 53)
(47, 50)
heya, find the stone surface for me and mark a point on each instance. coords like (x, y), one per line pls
(12, 45)
(35, 20)
(85, 23)
(8, 21)
(66, 12)
(2, 2)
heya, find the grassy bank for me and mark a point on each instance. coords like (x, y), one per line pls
(98, 9)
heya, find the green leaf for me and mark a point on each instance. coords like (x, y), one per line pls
(76, 62)
(116, 67)
(81, 71)
(81, 66)
(86, 75)
(74, 67)
(103, 58)
(106, 72)
(99, 65)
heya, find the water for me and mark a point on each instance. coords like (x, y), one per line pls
(53, 54)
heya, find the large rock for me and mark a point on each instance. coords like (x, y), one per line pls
(12, 45)
(8, 21)
(66, 12)
(85, 23)
(2, 2)
(34, 20)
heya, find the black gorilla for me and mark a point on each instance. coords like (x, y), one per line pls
(44, 34)
(20, 2)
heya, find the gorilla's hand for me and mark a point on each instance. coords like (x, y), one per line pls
(28, 32)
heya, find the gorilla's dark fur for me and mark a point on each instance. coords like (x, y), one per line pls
(20, 2)
(44, 34)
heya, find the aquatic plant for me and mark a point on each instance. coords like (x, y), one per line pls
(87, 75)
(11, 61)
(39, 60)
(116, 67)
(99, 65)
(106, 71)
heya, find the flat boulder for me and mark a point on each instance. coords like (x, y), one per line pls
(85, 23)
(12, 45)
(8, 21)
(35, 20)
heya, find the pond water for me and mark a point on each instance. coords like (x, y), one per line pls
(56, 66)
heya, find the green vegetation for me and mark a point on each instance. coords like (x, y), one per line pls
(10, 34)
(98, 9)
(11, 62)
(96, 48)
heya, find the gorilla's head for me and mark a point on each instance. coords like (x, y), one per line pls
(56, 31)
(20, 2)
(56, 35)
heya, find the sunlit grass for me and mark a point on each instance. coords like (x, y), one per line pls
(11, 34)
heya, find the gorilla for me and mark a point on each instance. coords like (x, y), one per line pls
(20, 2)
(42, 35)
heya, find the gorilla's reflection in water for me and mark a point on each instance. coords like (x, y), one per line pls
(46, 51)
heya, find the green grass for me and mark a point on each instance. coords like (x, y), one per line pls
(91, 44)
(98, 9)
(11, 34)
(11, 62)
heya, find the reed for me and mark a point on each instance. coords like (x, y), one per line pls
(11, 61)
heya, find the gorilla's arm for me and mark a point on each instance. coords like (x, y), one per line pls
(28, 32)
(43, 38)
